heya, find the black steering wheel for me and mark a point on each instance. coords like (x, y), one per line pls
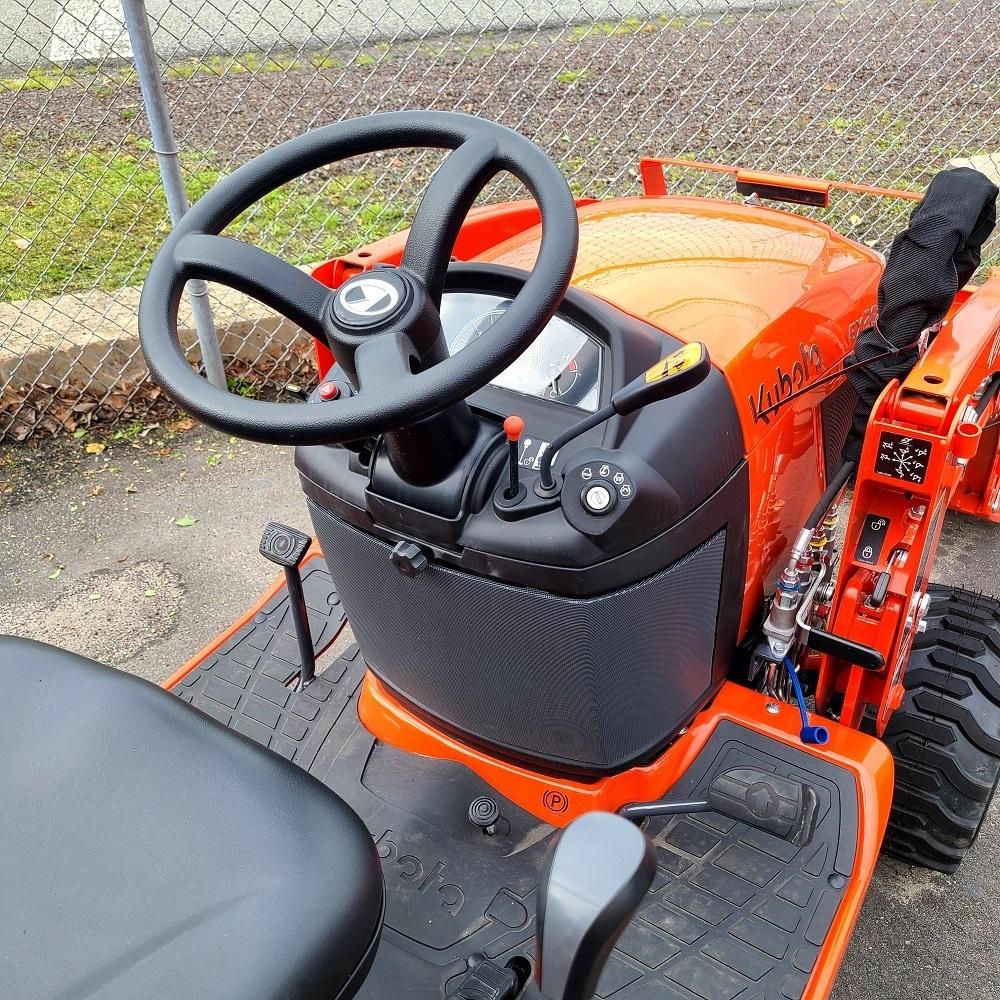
(383, 325)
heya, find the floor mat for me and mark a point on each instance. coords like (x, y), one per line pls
(734, 913)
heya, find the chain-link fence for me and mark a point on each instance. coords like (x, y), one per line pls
(884, 92)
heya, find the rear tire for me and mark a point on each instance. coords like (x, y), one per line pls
(945, 737)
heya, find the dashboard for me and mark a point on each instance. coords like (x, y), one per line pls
(563, 364)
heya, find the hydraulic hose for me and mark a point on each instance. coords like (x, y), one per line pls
(836, 484)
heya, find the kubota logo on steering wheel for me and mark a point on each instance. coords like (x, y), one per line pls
(369, 297)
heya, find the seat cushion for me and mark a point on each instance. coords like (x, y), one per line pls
(147, 851)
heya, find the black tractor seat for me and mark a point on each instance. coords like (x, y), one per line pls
(147, 851)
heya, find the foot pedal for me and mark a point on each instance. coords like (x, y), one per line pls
(782, 806)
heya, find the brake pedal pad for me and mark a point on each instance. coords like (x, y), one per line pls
(283, 545)
(782, 806)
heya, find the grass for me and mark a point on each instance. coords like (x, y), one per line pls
(478, 46)
(93, 218)
(53, 77)
(571, 76)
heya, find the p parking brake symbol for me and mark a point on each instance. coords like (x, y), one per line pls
(369, 298)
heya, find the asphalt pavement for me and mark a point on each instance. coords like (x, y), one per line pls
(142, 552)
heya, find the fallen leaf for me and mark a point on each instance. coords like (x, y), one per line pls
(79, 432)
(97, 490)
(54, 575)
(95, 448)
(186, 521)
(96, 597)
(131, 488)
(151, 593)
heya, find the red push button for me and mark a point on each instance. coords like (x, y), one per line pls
(329, 390)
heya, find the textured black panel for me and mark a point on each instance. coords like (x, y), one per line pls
(592, 684)
(734, 913)
(836, 413)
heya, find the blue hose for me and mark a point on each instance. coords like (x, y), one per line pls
(815, 735)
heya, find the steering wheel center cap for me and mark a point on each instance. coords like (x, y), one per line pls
(371, 298)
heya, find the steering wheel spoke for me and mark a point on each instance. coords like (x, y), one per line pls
(451, 193)
(383, 361)
(248, 269)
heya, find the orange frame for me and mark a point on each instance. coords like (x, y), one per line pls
(654, 181)
(931, 406)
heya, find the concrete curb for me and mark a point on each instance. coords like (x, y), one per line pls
(94, 337)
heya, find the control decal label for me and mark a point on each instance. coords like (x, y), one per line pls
(806, 367)
(532, 451)
(902, 457)
(555, 801)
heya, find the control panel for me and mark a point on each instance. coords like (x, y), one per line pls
(607, 495)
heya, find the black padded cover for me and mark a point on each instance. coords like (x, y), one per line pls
(589, 684)
(935, 256)
(150, 852)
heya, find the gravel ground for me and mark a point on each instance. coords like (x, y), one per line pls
(166, 590)
(883, 88)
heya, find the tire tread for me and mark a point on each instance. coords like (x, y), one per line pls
(945, 736)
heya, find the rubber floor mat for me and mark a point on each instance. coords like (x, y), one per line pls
(733, 914)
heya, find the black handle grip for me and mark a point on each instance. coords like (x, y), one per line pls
(845, 649)
(679, 371)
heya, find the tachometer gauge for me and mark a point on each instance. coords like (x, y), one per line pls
(475, 328)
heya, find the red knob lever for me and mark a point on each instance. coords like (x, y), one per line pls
(513, 427)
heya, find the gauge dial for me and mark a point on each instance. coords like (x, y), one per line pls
(474, 329)
(562, 364)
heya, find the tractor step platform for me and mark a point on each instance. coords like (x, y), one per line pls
(733, 914)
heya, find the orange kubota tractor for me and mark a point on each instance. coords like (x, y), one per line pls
(627, 715)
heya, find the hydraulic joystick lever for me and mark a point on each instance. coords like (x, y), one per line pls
(513, 428)
(679, 371)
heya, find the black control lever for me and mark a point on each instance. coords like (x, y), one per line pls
(287, 547)
(596, 878)
(679, 371)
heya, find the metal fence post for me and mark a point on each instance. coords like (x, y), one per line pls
(154, 100)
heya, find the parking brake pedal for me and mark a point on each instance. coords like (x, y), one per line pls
(287, 547)
(783, 806)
